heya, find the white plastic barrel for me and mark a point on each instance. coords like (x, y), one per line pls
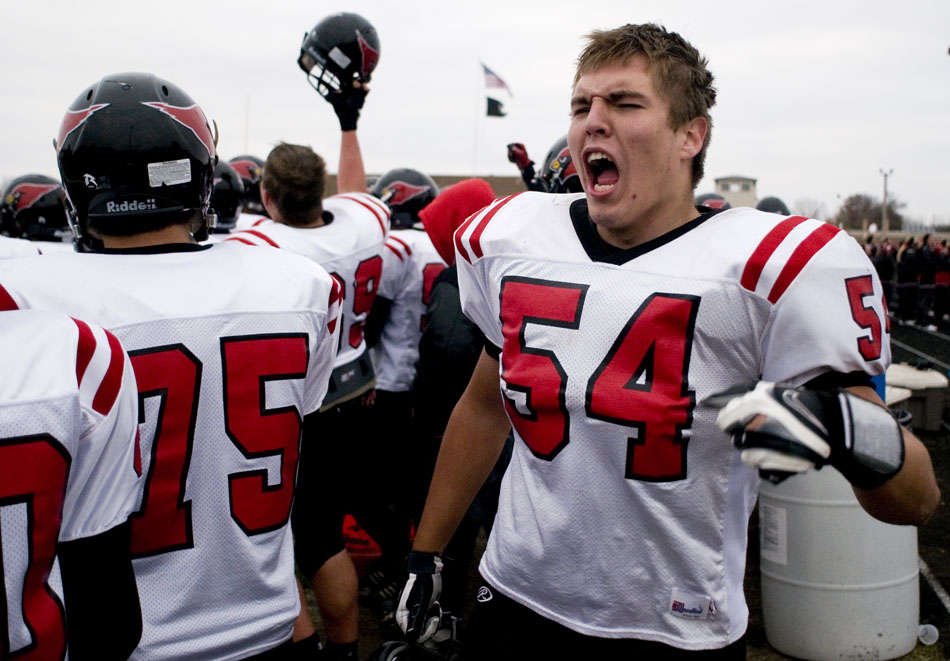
(836, 583)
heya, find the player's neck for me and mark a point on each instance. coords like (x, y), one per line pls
(166, 235)
(649, 225)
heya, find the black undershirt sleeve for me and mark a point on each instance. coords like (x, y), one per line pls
(103, 614)
(830, 380)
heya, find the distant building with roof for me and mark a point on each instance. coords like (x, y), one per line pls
(738, 190)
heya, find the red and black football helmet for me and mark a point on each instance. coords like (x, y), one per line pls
(406, 192)
(712, 201)
(133, 146)
(33, 207)
(251, 169)
(560, 174)
(340, 49)
(227, 196)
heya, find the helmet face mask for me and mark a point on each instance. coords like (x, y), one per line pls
(406, 192)
(560, 174)
(135, 151)
(340, 50)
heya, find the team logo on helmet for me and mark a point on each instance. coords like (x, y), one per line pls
(247, 169)
(24, 195)
(370, 55)
(399, 192)
(191, 117)
(73, 120)
(564, 162)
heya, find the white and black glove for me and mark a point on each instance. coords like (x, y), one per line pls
(810, 428)
(419, 613)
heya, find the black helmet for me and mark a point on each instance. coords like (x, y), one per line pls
(340, 49)
(406, 192)
(33, 207)
(227, 196)
(251, 168)
(132, 146)
(772, 205)
(712, 201)
(559, 173)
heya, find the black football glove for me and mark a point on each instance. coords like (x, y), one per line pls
(347, 104)
(419, 613)
(810, 428)
(518, 155)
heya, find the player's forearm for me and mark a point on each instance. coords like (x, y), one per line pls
(473, 441)
(351, 175)
(911, 496)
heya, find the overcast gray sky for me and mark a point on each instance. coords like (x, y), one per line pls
(815, 98)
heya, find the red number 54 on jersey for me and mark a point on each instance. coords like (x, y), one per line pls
(641, 383)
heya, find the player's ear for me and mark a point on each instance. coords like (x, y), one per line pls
(693, 135)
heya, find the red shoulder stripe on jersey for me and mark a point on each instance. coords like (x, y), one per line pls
(373, 200)
(263, 237)
(241, 240)
(259, 221)
(6, 300)
(476, 237)
(405, 246)
(800, 257)
(376, 212)
(84, 349)
(768, 245)
(112, 381)
(396, 253)
(459, 247)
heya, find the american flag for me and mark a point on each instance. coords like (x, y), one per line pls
(492, 79)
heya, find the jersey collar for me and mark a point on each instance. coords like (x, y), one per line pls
(600, 251)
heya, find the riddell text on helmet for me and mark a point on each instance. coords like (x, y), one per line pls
(134, 205)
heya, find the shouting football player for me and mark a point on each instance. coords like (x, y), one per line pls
(628, 328)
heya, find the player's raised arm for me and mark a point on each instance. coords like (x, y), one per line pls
(339, 55)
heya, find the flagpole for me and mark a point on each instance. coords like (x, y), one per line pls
(477, 114)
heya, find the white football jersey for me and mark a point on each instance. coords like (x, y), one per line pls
(231, 346)
(50, 247)
(248, 220)
(349, 247)
(410, 266)
(68, 462)
(10, 247)
(624, 510)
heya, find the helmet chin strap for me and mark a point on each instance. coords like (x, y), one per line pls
(207, 227)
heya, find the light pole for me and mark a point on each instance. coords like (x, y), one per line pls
(885, 226)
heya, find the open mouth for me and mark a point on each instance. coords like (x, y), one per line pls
(603, 171)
